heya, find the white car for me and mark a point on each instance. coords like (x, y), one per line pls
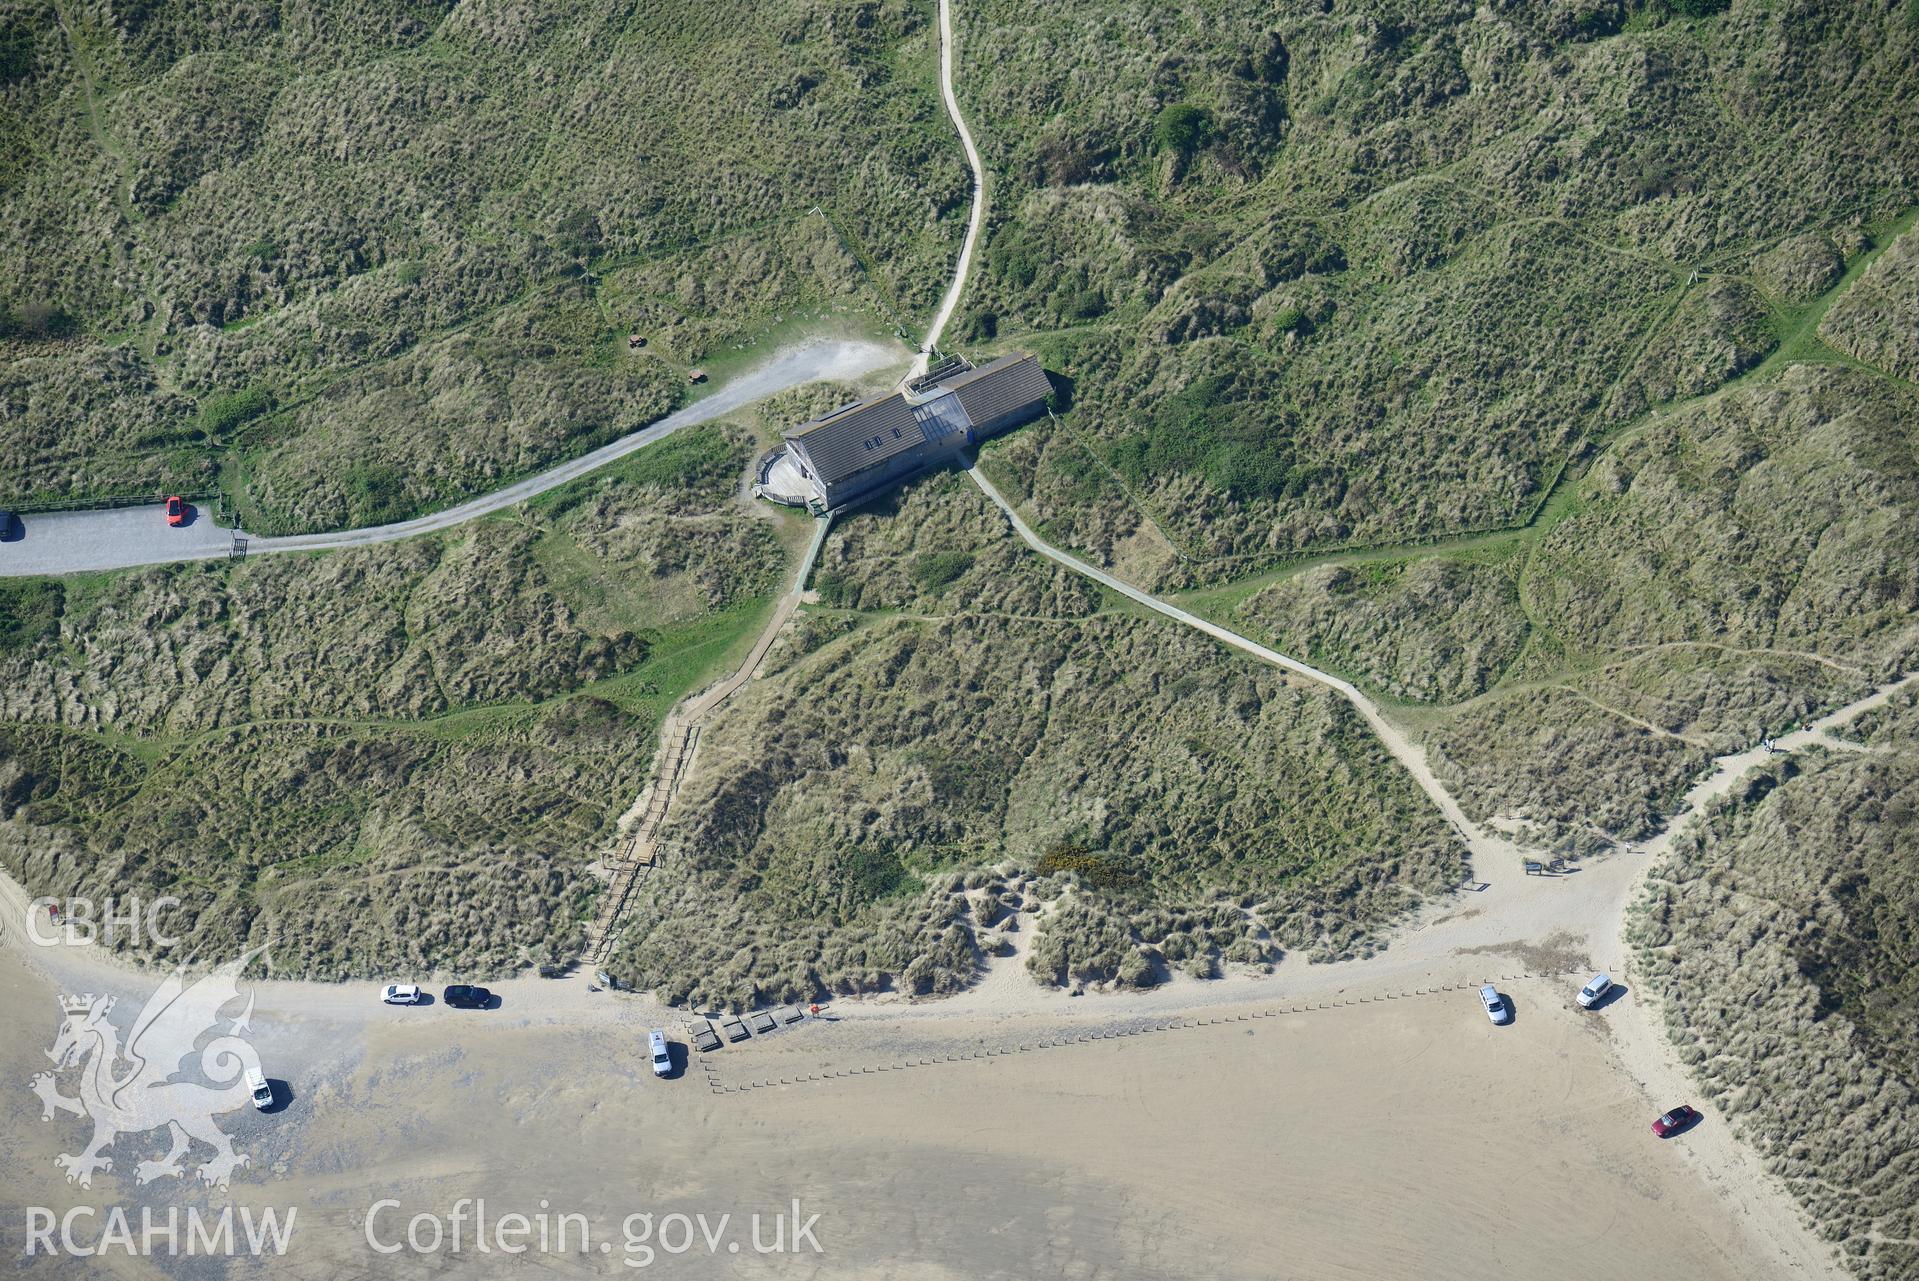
(1496, 1008)
(262, 1092)
(1595, 990)
(401, 994)
(662, 1057)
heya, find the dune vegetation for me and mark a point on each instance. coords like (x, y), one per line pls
(965, 752)
(392, 759)
(344, 262)
(1545, 369)
(1778, 931)
(1720, 574)
(1330, 275)
(1570, 424)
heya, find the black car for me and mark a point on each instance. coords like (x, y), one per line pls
(462, 997)
(6, 524)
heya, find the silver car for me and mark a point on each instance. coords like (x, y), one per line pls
(261, 1091)
(662, 1057)
(1595, 990)
(1496, 1008)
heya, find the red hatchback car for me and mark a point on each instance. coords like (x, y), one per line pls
(1675, 1121)
(176, 511)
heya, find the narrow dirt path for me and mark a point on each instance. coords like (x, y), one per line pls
(1484, 847)
(1849, 669)
(1635, 721)
(978, 217)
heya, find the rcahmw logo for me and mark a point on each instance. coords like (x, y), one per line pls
(84, 1231)
(164, 1043)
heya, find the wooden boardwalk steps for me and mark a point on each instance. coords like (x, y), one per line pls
(680, 733)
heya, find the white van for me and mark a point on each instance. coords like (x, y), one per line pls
(262, 1092)
(1595, 990)
(662, 1057)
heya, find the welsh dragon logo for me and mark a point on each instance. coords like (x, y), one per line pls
(132, 1090)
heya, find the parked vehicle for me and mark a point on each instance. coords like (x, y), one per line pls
(662, 1056)
(1496, 1008)
(176, 511)
(6, 524)
(401, 994)
(1676, 1120)
(262, 1092)
(1595, 990)
(462, 997)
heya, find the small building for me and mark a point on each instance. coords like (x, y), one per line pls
(870, 445)
(696, 375)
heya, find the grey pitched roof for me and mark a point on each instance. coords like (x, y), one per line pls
(857, 438)
(850, 440)
(1004, 386)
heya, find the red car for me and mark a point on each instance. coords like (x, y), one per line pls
(176, 511)
(1675, 1121)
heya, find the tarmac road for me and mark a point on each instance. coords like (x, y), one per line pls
(84, 541)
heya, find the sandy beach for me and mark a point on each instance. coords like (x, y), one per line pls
(1338, 1121)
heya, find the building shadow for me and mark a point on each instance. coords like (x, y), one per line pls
(1063, 388)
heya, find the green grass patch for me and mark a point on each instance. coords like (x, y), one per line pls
(933, 571)
(220, 415)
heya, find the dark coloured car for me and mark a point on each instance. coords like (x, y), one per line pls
(1675, 1121)
(462, 997)
(6, 524)
(176, 511)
